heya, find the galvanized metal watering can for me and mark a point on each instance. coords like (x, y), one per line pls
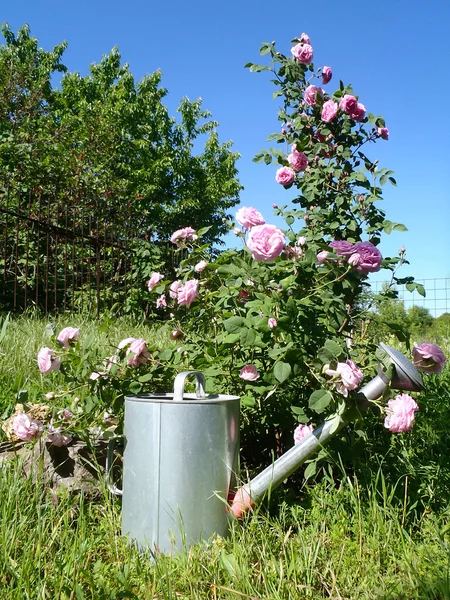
(180, 462)
(182, 452)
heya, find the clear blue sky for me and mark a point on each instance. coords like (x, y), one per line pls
(395, 53)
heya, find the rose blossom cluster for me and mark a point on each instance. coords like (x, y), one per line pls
(347, 376)
(297, 160)
(303, 51)
(183, 235)
(354, 109)
(363, 256)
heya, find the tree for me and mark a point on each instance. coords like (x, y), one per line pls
(101, 154)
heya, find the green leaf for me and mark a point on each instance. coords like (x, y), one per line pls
(247, 337)
(234, 324)
(135, 387)
(290, 220)
(165, 354)
(248, 400)
(146, 377)
(319, 400)
(282, 371)
(231, 338)
(420, 290)
(310, 470)
(334, 348)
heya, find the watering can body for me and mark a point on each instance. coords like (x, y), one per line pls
(180, 461)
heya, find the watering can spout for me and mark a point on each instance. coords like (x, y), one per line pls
(405, 377)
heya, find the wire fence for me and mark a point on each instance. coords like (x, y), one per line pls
(437, 295)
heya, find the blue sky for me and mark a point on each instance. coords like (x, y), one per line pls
(394, 53)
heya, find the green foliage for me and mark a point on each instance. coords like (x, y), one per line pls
(101, 156)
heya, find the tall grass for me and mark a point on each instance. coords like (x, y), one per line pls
(345, 542)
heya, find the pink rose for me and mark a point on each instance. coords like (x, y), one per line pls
(429, 358)
(248, 217)
(400, 413)
(327, 74)
(329, 111)
(347, 376)
(366, 258)
(301, 240)
(303, 53)
(383, 133)
(348, 104)
(305, 38)
(161, 301)
(126, 342)
(65, 414)
(200, 266)
(272, 323)
(47, 361)
(181, 235)
(27, 429)
(56, 438)
(174, 287)
(358, 113)
(297, 160)
(310, 94)
(322, 256)
(301, 432)
(187, 293)
(154, 280)
(249, 373)
(265, 242)
(140, 353)
(67, 336)
(342, 247)
(285, 175)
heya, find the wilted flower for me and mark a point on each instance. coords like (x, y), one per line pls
(154, 280)
(161, 301)
(187, 293)
(27, 429)
(140, 353)
(57, 438)
(429, 358)
(68, 335)
(47, 361)
(347, 376)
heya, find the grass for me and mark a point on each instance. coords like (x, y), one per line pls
(360, 532)
(344, 542)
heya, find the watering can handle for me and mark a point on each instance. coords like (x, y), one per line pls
(178, 386)
(112, 487)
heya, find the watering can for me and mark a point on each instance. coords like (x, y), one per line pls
(181, 459)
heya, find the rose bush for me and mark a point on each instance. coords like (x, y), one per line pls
(280, 321)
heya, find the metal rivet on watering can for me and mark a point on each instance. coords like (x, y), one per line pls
(180, 462)
(405, 377)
